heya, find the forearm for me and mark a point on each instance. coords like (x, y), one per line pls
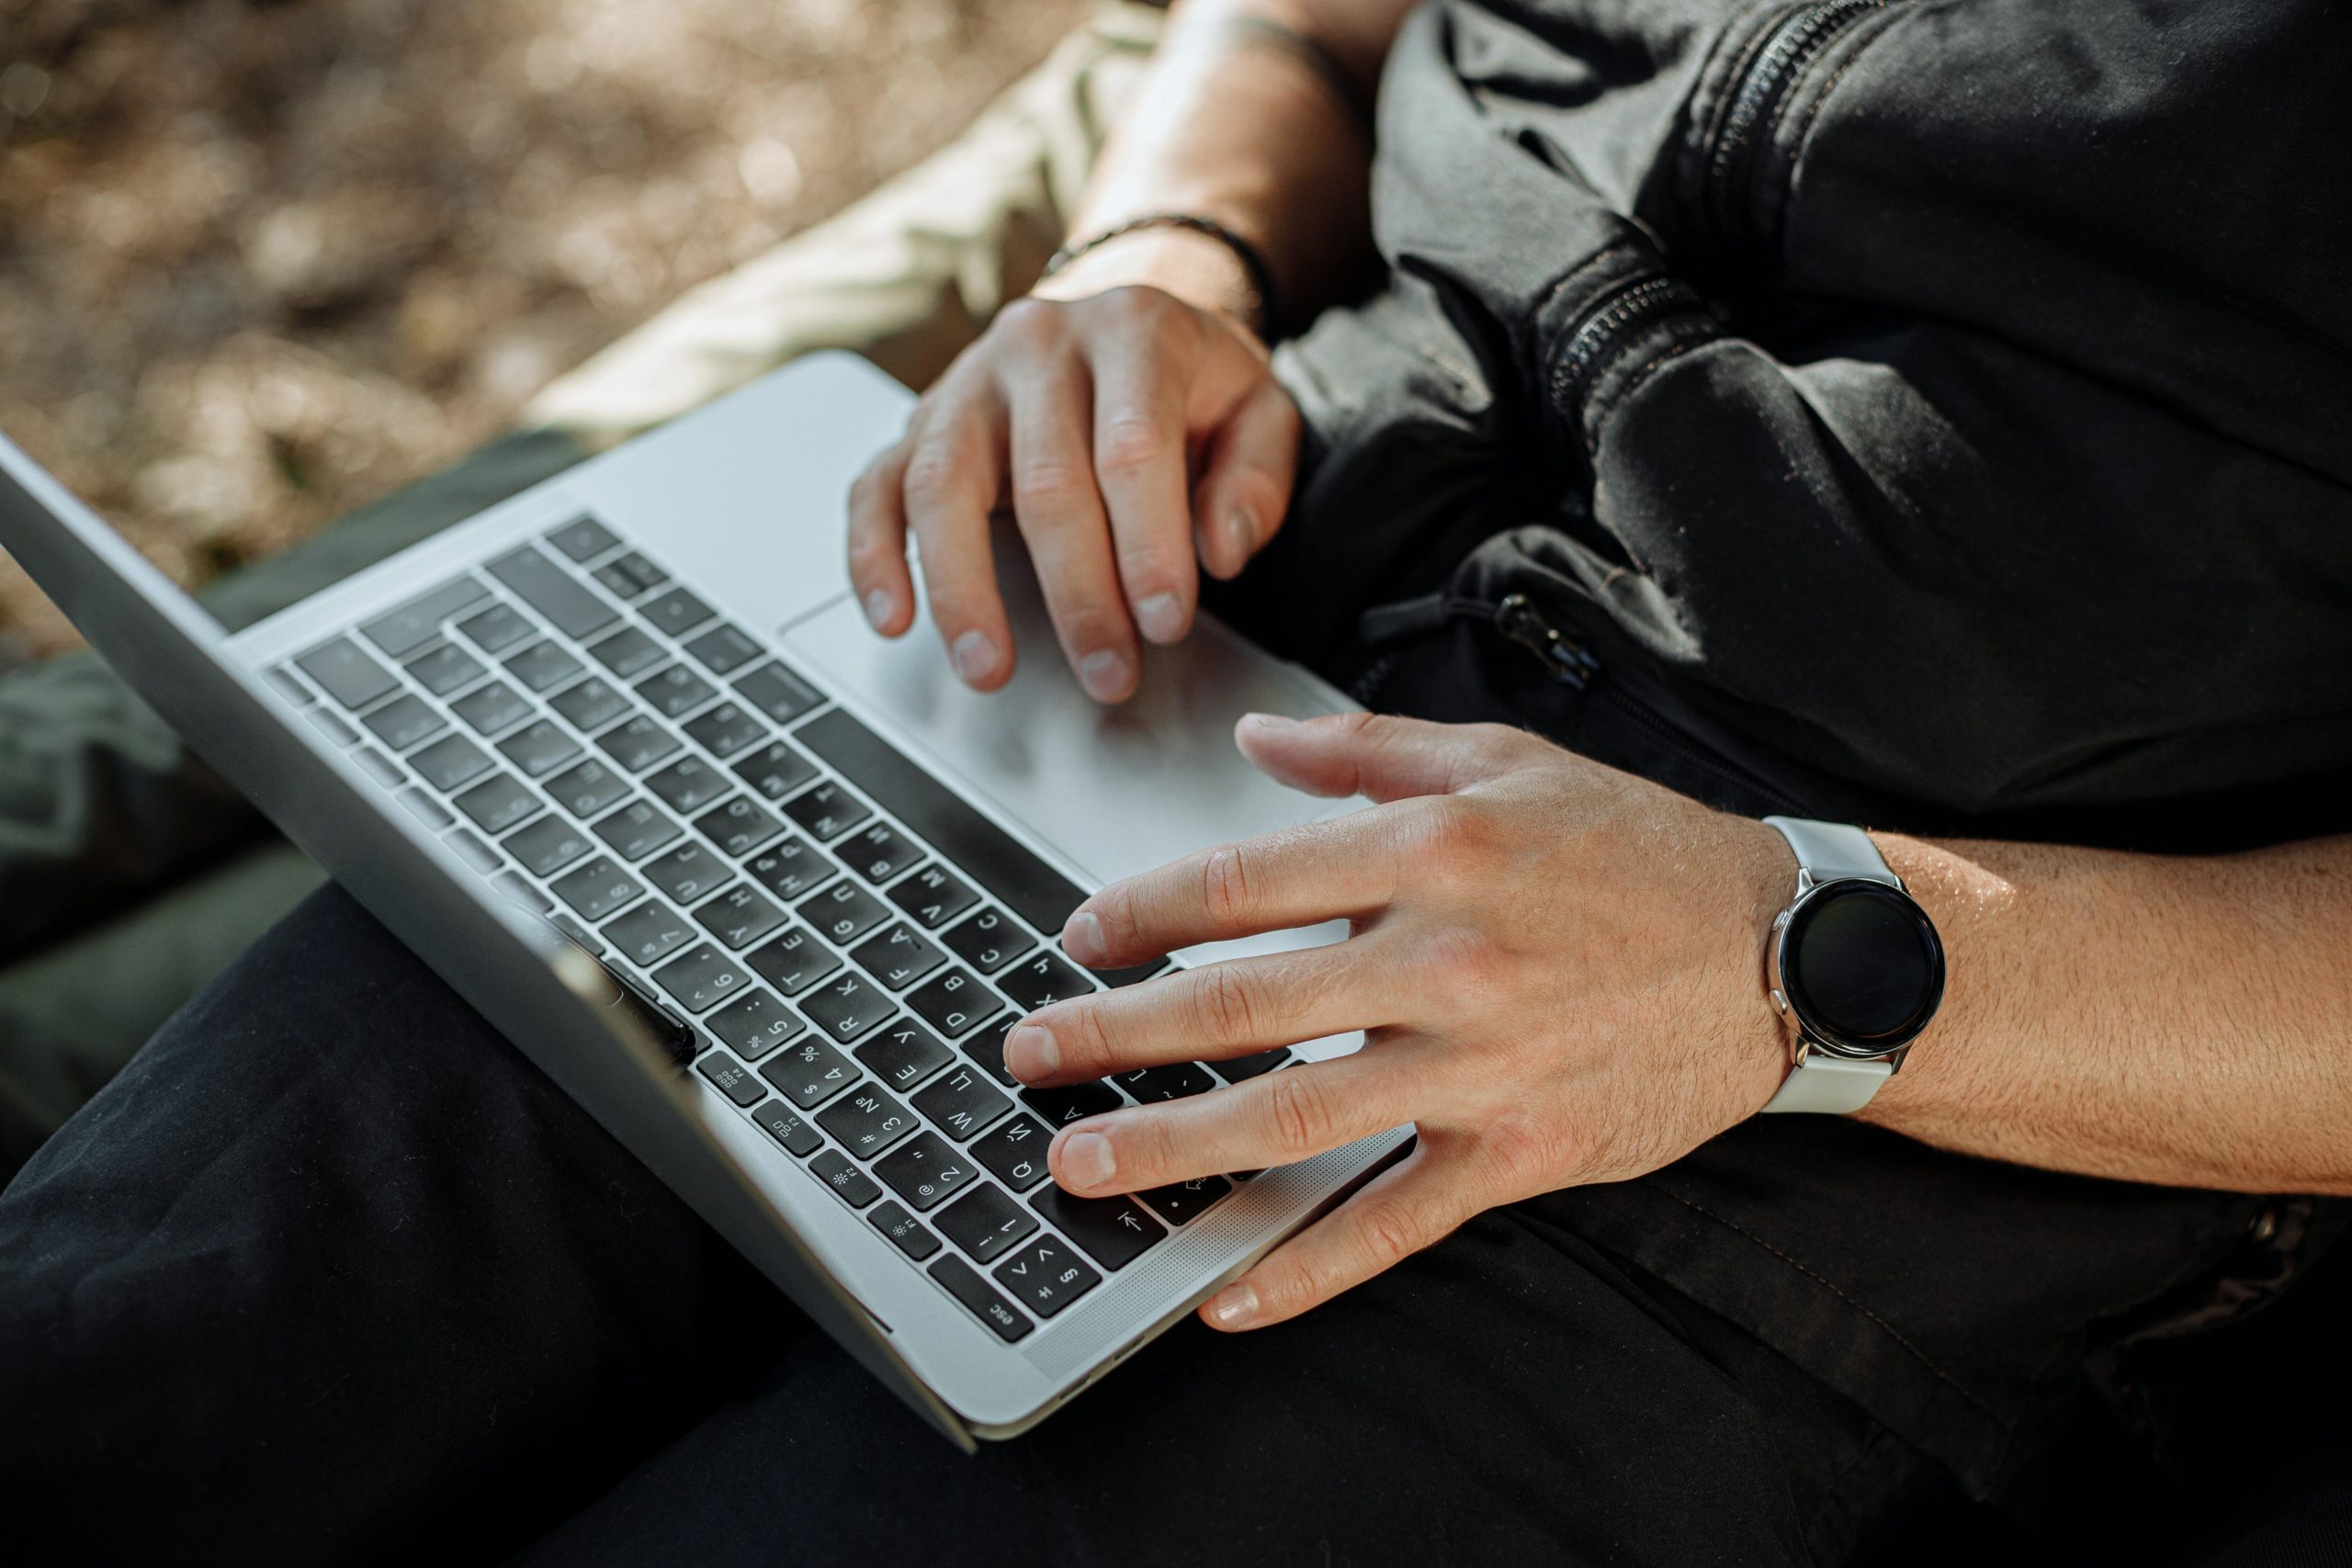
(1234, 126)
(2182, 1020)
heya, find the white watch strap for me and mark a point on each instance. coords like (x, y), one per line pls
(1829, 1085)
(1830, 851)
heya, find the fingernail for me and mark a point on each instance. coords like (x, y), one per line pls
(1030, 1053)
(1087, 1159)
(1160, 619)
(1082, 938)
(877, 609)
(1233, 1307)
(1241, 533)
(1268, 721)
(975, 656)
(1104, 675)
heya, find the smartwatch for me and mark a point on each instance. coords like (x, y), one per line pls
(1854, 967)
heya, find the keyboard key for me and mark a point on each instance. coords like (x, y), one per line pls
(496, 629)
(1060, 1107)
(638, 743)
(791, 868)
(591, 704)
(853, 1186)
(793, 962)
(627, 653)
(676, 692)
(827, 811)
(547, 845)
(449, 762)
(689, 784)
(636, 829)
(582, 540)
(648, 933)
(701, 978)
(982, 850)
(281, 680)
(444, 668)
(489, 709)
(897, 957)
(986, 1048)
(473, 852)
(784, 1124)
(739, 916)
(543, 666)
(727, 729)
(631, 575)
(599, 888)
(962, 1104)
(403, 631)
(347, 672)
(426, 809)
(906, 1232)
(903, 1054)
(676, 613)
(587, 789)
(1134, 975)
(1113, 1232)
(866, 1121)
(776, 771)
(539, 749)
(989, 941)
(380, 768)
(846, 1006)
(733, 1079)
(980, 1299)
(724, 650)
(688, 874)
(878, 854)
(1240, 1070)
(1042, 980)
(810, 1072)
(985, 1222)
(934, 896)
(1185, 1201)
(332, 725)
(514, 890)
(756, 1025)
(1015, 1152)
(1157, 1086)
(498, 803)
(553, 593)
(953, 1003)
(844, 912)
(925, 1172)
(1047, 1276)
(405, 721)
(739, 826)
(778, 692)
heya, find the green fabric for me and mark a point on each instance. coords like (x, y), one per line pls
(129, 873)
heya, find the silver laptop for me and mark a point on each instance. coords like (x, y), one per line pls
(620, 758)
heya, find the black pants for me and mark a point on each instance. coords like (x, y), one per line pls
(331, 1273)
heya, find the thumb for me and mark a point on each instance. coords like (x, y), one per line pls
(1252, 464)
(1377, 755)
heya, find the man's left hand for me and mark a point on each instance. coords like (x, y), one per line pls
(1556, 967)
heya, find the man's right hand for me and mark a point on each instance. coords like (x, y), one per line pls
(1131, 433)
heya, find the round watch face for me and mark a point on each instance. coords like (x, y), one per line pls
(1862, 966)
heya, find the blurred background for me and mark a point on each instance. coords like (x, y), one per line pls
(264, 260)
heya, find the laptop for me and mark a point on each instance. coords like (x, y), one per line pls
(620, 758)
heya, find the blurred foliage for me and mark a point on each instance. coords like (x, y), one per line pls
(262, 261)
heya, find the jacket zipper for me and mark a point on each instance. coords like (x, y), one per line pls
(1755, 108)
(1604, 332)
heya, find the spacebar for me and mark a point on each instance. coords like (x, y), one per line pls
(1036, 892)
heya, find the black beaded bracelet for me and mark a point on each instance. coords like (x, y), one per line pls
(1262, 280)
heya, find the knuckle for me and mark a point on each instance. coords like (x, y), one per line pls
(1298, 1114)
(1051, 485)
(930, 475)
(1391, 1233)
(1088, 1046)
(1223, 999)
(1227, 890)
(1131, 304)
(1522, 1156)
(1129, 444)
(1029, 322)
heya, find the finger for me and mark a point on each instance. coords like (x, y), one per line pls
(1297, 877)
(1060, 512)
(1210, 1013)
(1280, 1119)
(1413, 1205)
(878, 544)
(1140, 458)
(1379, 755)
(1246, 485)
(951, 482)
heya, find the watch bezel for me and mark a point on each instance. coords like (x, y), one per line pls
(1811, 1030)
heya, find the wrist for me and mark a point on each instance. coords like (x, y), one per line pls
(1193, 267)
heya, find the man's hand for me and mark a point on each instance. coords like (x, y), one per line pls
(1128, 430)
(1557, 966)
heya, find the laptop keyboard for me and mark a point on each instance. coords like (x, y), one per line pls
(834, 940)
